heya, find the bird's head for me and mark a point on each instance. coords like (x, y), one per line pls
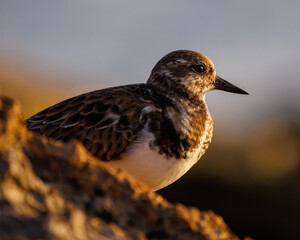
(188, 73)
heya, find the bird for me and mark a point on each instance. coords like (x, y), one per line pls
(156, 131)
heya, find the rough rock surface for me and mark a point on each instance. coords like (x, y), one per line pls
(52, 190)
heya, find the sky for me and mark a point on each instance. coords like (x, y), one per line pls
(253, 44)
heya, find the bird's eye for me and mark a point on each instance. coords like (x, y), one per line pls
(200, 68)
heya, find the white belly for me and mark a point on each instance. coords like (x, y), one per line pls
(152, 168)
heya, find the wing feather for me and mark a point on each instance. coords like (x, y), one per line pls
(105, 121)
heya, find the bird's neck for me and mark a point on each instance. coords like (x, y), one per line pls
(176, 90)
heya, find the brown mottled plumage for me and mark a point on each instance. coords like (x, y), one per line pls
(155, 131)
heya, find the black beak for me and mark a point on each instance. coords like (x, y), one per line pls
(222, 84)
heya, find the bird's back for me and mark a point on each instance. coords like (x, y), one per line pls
(106, 121)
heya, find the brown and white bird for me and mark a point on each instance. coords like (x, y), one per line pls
(155, 131)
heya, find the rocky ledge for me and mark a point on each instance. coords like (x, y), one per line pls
(55, 190)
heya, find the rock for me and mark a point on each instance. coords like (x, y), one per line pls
(55, 190)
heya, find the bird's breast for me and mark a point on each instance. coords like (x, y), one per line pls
(155, 168)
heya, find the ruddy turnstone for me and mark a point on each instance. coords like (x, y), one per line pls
(155, 131)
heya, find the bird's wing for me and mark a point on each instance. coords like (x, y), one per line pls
(105, 121)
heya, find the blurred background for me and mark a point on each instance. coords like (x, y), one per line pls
(52, 50)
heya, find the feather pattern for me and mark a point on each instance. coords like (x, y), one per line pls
(105, 121)
(109, 121)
